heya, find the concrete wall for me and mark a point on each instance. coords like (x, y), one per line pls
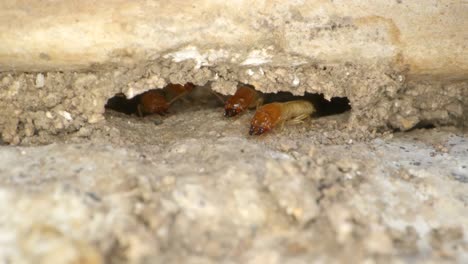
(428, 36)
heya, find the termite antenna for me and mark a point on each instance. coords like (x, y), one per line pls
(177, 98)
(221, 99)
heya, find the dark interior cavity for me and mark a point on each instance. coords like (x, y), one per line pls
(121, 104)
(423, 125)
(204, 96)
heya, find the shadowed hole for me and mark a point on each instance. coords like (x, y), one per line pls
(205, 98)
(423, 125)
(121, 104)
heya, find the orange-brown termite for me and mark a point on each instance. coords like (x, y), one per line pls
(246, 97)
(271, 115)
(152, 102)
(155, 102)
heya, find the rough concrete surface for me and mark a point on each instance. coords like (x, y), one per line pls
(400, 63)
(82, 184)
(36, 105)
(193, 187)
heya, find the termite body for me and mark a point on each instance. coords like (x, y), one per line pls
(271, 115)
(157, 101)
(246, 97)
(152, 102)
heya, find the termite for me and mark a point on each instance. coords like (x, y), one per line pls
(271, 115)
(152, 102)
(155, 102)
(246, 97)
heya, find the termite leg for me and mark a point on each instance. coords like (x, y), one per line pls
(282, 126)
(259, 103)
(139, 111)
(177, 97)
(299, 119)
(221, 99)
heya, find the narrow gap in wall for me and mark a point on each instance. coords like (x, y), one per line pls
(164, 101)
(420, 125)
(121, 104)
(154, 101)
(423, 125)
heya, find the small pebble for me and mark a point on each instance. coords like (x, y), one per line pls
(158, 122)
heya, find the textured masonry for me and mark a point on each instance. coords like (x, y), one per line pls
(400, 63)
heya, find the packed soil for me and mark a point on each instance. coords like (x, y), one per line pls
(193, 187)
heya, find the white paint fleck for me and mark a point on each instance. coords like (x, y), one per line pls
(184, 54)
(257, 57)
(298, 62)
(130, 93)
(279, 155)
(250, 72)
(208, 58)
(261, 71)
(40, 80)
(189, 53)
(214, 55)
(201, 59)
(296, 81)
(49, 115)
(65, 115)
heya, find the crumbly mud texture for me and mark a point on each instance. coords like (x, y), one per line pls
(38, 105)
(193, 187)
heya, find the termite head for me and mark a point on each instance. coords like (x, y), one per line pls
(265, 119)
(244, 97)
(234, 106)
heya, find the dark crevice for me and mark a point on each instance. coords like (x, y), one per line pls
(154, 101)
(423, 125)
(121, 104)
(420, 125)
(324, 107)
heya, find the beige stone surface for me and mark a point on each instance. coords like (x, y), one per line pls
(193, 187)
(91, 185)
(429, 37)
